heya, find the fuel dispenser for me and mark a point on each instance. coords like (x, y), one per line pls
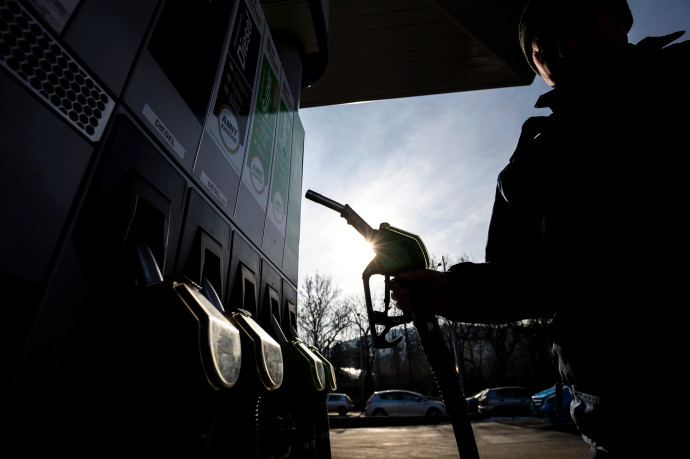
(263, 372)
(127, 352)
(300, 403)
(320, 407)
(140, 327)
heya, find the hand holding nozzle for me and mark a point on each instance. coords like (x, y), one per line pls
(416, 289)
(396, 250)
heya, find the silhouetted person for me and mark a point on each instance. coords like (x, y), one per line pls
(588, 225)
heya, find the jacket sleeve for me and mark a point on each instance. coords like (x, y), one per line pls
(487, 293)
(484, 293)
(509, 286)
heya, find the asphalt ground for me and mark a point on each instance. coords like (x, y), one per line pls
(505, 438)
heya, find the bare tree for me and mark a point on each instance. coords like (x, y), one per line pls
(455, 335)
(486, 355)
(367, 353)
(322, 317)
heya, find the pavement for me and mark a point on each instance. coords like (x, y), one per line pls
(500, 438)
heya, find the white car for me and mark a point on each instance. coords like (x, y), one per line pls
(341, 403)
(402, 403)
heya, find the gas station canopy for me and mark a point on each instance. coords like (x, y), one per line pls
(382, 49)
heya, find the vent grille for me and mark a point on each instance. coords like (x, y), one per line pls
(36, 59)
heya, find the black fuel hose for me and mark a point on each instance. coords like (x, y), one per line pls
(443, 368)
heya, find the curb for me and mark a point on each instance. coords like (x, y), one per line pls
(347, 422)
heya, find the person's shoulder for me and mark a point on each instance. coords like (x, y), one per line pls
(535, 123)
(666, 48)
(660, 42)
(677, 53)
(664, 59)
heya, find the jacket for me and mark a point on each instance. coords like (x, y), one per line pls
(588, 227)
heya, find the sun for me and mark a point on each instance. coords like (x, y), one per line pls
(364, 253)
(347, 258)
(356, 251)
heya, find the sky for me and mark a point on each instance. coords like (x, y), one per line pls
(425, 164)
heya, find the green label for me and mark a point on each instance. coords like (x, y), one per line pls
(278, 199)
(295, 192)
(258, 164)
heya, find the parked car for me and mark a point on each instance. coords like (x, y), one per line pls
(472, 403)
(402, 403)
(543, 405)
(504, 401)
(342, 403)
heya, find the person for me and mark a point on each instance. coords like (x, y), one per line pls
(587, 227)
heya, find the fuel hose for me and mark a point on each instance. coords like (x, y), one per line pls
(447, 380)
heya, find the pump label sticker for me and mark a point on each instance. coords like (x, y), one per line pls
(295, 192)
(258, 173)
(55, 12)
(214, 189)
(229, 129)
(159, 127)
(228, 123)
(278, 208)
(280, 177)
(258, 163)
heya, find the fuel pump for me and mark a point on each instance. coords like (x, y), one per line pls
(300, 403)
(320, 407)
(236, 425)
(395, 251)
(175, 355)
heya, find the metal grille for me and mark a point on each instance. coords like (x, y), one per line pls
(34, 57)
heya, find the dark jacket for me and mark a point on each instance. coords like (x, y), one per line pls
(588, 227)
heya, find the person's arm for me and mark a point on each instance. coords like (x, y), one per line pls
(509, 286)
(489, 293)
(468, 292)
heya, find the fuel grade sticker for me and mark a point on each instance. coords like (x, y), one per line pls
(228, 126)
(257, 175)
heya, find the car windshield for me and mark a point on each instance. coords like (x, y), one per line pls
(520, 393)
(545, 392)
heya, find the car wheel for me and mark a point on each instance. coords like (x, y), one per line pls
(433, 412)
(379, 412)
(342, 411)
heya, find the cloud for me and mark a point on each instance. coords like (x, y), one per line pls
(427, 165)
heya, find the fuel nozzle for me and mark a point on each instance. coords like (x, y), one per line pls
(396, 250)
(346, 212)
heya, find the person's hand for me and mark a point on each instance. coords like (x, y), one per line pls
(420, 288)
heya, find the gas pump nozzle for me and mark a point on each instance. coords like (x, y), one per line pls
(395, 250)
